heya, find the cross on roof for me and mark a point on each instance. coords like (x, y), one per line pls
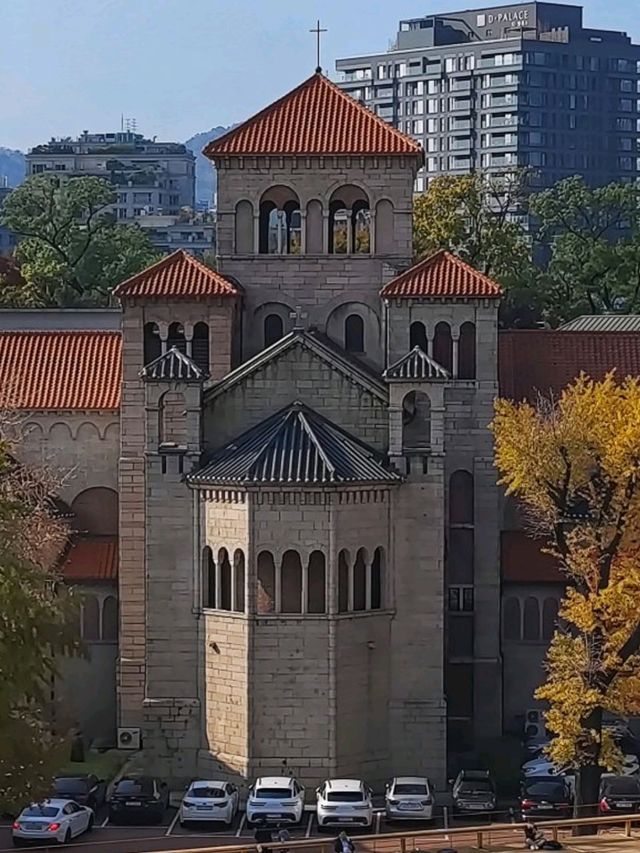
(298, 316)
(318, 30)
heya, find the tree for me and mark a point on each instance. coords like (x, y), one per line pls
(574, 463)
(72, 252)
(38, 622)
(472, 216)
(590, 238)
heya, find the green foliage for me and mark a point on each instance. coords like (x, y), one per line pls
(38, 623)
(73, 252)
(470, 215)
(591, 238)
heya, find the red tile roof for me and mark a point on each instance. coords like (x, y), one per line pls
(316, 117)
(441, 276)
(532, 361)
(522, 561)
(178, 276)
(61, 370)
(92, 558)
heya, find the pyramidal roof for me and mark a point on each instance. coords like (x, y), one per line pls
(316, 117)
(415, 365)
(442, 276)
(296, 446)
(174, 365)
(177, 276)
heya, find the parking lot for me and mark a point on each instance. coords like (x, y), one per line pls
(169, 835)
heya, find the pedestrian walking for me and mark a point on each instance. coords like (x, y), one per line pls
(344, 844)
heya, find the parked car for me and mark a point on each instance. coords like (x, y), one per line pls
(138, 798)
(86, 790)
(52, 820)
(474, 791)
(276, 799)
(209, 801)
(344, 801)
(541, 766)
(409, 798)
(543, 796)
(619, 795)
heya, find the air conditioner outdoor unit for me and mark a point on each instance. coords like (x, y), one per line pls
(534, 727)
(128, 738)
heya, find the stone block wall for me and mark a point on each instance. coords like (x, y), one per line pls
(296, 375)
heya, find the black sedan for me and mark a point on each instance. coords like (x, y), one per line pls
(545, 796)
(619, 795)
(86, 790)
(138, 799)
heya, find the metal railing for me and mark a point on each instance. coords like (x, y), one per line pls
(480, 837)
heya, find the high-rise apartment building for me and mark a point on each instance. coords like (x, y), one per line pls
(152, 179)
(493, 88)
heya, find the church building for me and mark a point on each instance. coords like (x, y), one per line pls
(287, 523)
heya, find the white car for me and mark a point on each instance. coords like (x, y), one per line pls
(275, 799)
(409, 798)
(344, 801)
(207, 800)
(52, 820)
(541, 767)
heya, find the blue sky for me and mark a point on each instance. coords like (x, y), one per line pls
(183, 66)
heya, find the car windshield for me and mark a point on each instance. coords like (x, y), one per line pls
(204, 792)
(71, 786)
(345, 796)
(273, 793)
(545, 789)
(625, 785)
(406, 788)
(134, 788)
(40, 811)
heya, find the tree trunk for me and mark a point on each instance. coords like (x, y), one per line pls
(585, 802)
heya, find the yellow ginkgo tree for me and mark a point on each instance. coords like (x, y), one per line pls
(573, 463)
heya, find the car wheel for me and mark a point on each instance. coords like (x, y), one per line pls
(17, 842)
(67, 837)
(90, 824)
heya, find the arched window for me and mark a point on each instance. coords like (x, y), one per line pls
(354, 333)
(280, 222)
(266, 599)
(90, 619)
(377, 574)
(200, 346)
(443, 346)
(273, 329)
(467, 352)
(549, 617)
(385, 236)
(95, 512)
(291, 583)
(418, 336)
(208, 578)
(511, 626)
(349, 221)
(343, 581)
(360, 580)
(110, 619)
(244, 228)
(316, 583)
(173, 419)
(238, 579)
(176, 338)
(461, 498)
(531, 621)
(416, 420)
(225, 579)
(152, 342)
(361, 228)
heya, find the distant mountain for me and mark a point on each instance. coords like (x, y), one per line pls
(206, 182)
(12, 165)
